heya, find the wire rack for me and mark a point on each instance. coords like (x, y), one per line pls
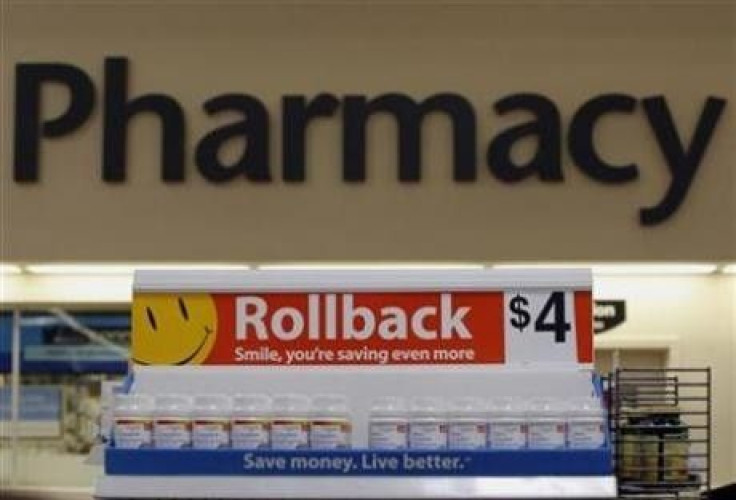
(661, 432)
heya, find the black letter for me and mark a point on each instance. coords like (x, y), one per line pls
(546, 127)
(683, 164)
(118, 110)
(581, 144)
(297, 114)
(409, 116)
(253, 130)
(28, 125)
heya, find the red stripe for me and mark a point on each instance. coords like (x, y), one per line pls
(584, 326)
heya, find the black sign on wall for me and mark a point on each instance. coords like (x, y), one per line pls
(682, 154)
(608, 314)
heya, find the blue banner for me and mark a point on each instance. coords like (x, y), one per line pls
(49, 344)
(359, 462)
(42, 403)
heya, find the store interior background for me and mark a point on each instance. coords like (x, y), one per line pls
(677, 315)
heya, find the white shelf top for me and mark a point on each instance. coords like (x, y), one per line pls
(359, 280)
(354, 487)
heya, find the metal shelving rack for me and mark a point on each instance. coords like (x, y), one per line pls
(661, 431)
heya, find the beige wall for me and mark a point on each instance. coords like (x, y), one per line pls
(483, 51)
(733, 367)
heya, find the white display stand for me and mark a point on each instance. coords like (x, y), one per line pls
(351, 487)
(521, 371)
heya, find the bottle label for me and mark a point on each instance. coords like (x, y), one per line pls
(507, 435)
(329, 434)
(289, 434)
(428, 435)
(388, 435)
(172, 434)
(132, 433)
(547, 435)
(587, 435)
(210, 434)
(467, 435)
(250, 434)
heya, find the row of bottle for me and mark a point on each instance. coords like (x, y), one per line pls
(292, 421)
(472, 423)
(247, 421)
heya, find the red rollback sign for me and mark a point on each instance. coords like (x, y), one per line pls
(363, 328)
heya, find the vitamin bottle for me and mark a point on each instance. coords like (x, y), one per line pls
(132, 421)
(251, 422)
(586, 424)
(106, 416)
(427, 424)
(211, 421)
(330, 427)
(547, 424)
(388, 428)
(290, 424)
(507, 426)
(467, 427)
(172, 423)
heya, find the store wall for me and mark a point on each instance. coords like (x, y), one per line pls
(733, 367)
(483, 51)
(60, 470)
(695, 318)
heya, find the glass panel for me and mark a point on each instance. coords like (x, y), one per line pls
(65, 358)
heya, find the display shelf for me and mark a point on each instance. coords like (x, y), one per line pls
(355, 487)
(467, 474)
(661, 421)
(358, 280)
(484, 335)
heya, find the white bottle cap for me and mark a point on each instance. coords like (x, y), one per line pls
(586, 407)
(173, 405)
(330, 404)
(464, 407)
(427, 407)
(212, 405)
(547, 408)
(131, 405)
(389, 406)
(109, 389)
(507, 407)
(291, 404)
(251, 405)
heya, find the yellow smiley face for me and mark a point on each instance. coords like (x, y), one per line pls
(173, 329)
